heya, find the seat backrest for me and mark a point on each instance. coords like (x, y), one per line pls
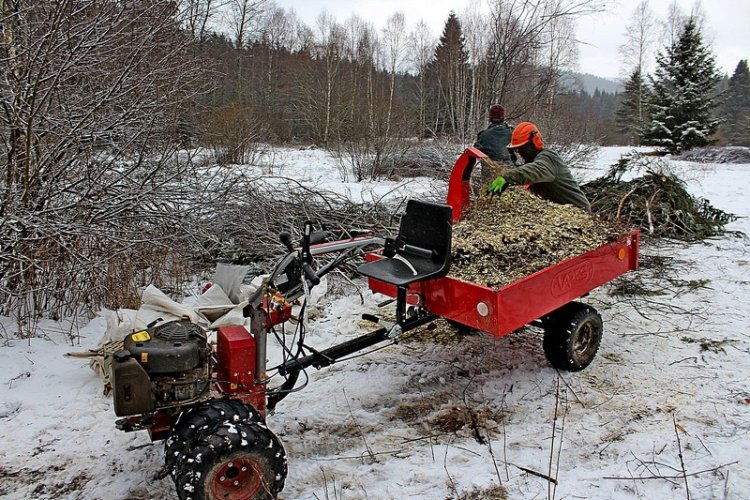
(427, 225)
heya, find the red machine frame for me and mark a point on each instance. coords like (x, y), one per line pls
(501, 311)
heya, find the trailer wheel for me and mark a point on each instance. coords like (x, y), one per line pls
(202, 419)
(572, 335)
(242, 461)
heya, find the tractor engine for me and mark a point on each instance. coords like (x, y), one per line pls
(163, 366)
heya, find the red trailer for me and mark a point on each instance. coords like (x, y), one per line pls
(546, 296)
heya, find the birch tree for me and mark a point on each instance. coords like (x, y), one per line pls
(635, 53)
(318, 84)
(394, 36)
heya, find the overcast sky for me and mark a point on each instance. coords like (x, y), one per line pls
(727, 25)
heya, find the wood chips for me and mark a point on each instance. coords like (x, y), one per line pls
(502, 239)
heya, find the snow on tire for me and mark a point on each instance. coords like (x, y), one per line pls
(202, 419)
(243, 460)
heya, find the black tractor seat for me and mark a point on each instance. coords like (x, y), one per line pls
(422, 249)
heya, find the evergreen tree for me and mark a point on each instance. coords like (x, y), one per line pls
(449, 74)
(683, 94)
(632, 112)
(736, 109)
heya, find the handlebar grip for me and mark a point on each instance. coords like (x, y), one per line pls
(310, 274)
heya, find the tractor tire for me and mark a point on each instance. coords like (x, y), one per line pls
(200, 420)
(572, 335)
(243, 460)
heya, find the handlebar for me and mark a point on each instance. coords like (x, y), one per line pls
(310, 274)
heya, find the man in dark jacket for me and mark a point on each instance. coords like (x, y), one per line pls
(547, 173)
(493, 141)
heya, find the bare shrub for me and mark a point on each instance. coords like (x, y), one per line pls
(390, 158)
(242, 215)
(232, 132)
(91, 94)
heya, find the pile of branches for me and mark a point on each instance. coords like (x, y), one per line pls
(106, 248)
(420, 160)
(656, 203)
(505, 238)
(726, 154)
(242, 216)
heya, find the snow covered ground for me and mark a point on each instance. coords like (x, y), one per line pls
(663, 412)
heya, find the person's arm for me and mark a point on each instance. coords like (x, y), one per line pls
(539, 170)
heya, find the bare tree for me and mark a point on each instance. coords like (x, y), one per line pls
(639, 39)
(368, 46)
(357, 34)
(196, 15)
(89, 108)
(561, 54)
(317, 85)
(394, 37)
(671, 27)
(528, 39)
(635, 51)
(476, 34)
(243, 17)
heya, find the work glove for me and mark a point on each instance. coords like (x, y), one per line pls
(497, 186)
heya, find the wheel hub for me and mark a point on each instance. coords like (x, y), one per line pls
(237, 479)
(585, 340)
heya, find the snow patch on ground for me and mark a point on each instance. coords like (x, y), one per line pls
(430, 420)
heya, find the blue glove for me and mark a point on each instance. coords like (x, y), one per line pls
(497, 186)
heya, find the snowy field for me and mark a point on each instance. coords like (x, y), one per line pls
(663, 412)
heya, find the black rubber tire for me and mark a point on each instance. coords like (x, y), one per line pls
(572, 335)
(243, 460)
(202, 419)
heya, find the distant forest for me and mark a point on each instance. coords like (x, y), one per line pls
(343, 82)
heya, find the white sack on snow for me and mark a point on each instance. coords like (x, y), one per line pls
(155, 300)
(214, 303)
(229, 277)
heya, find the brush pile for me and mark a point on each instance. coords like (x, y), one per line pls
(505, 238)
(656, 203)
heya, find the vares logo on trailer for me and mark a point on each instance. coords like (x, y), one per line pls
(568, 279)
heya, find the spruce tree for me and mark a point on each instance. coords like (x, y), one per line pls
(736, 109)
(682, 101)
(632, 112)
(449, 76)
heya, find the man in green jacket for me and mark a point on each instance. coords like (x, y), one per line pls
(493, 141)
(547, 173)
